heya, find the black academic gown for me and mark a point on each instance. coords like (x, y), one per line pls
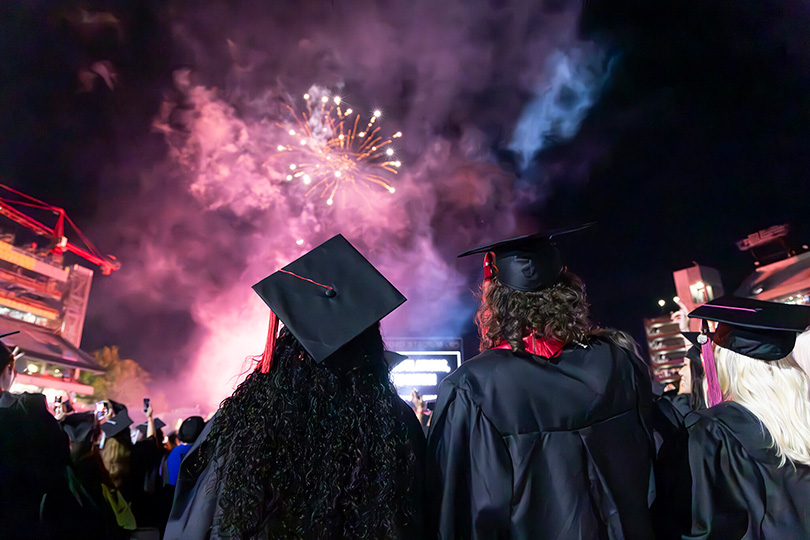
(144, 490)
(668, 418)
(731, 484)
(34, 461)
(195, 496)
(522, 447)
(197, 492)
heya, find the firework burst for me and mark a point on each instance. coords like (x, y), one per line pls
(331, 149)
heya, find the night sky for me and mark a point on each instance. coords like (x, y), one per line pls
(684, 127)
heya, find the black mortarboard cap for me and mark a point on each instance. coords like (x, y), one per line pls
(329, 296)
(117, 407)
(694, 337)
(80, 427)
(755, 328)
(144, 427)
(117, 423)
(527, 263)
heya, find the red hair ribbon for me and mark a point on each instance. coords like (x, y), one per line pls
(489, 266)
(545, 347)
(266, 360)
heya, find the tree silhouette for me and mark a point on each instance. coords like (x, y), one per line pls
(124, 380)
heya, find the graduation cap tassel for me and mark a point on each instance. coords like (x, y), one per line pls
(714, 395)
(266, 361)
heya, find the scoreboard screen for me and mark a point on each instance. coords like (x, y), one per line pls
(428, 362)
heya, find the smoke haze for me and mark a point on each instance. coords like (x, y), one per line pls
(220, 218)
(681, 130)
(176, 107)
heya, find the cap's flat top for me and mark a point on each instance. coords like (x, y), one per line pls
(80, 426)
(755, 328)
(117, 424)
(751, 313)
(329, 296)
(526, 242)
(144, 427)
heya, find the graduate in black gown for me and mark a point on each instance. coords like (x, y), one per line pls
(315, 443)
(546, 433)
(742, 468)
(35, 497)
(99, 520)
(672, 407)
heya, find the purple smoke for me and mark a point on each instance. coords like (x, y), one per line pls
(210, 219)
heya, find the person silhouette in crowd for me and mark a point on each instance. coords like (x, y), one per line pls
(315, 443)
(35, 500)
(546, 433)
(187, 435)
(742, 469)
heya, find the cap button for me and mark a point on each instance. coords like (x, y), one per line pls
(330, 293)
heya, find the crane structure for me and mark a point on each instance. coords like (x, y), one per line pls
(43, 299)
(9, 207)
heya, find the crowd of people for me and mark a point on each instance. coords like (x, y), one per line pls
(90, 474)
(556, 430)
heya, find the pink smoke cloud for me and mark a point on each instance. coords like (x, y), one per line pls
(212, 217)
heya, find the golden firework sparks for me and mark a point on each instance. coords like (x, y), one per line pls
(330, 149)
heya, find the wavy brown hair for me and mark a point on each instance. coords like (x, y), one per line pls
(313, 451)
(560, 312)
(116, 456)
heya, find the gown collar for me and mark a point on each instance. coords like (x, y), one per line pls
(545, 347)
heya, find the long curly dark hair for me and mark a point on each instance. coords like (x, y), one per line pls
(312, 450)
(559, 312)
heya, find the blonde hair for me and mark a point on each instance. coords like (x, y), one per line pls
(801, 352)
(776, 393)
(116, 456)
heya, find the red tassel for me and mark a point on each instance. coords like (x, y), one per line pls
(266, 361)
